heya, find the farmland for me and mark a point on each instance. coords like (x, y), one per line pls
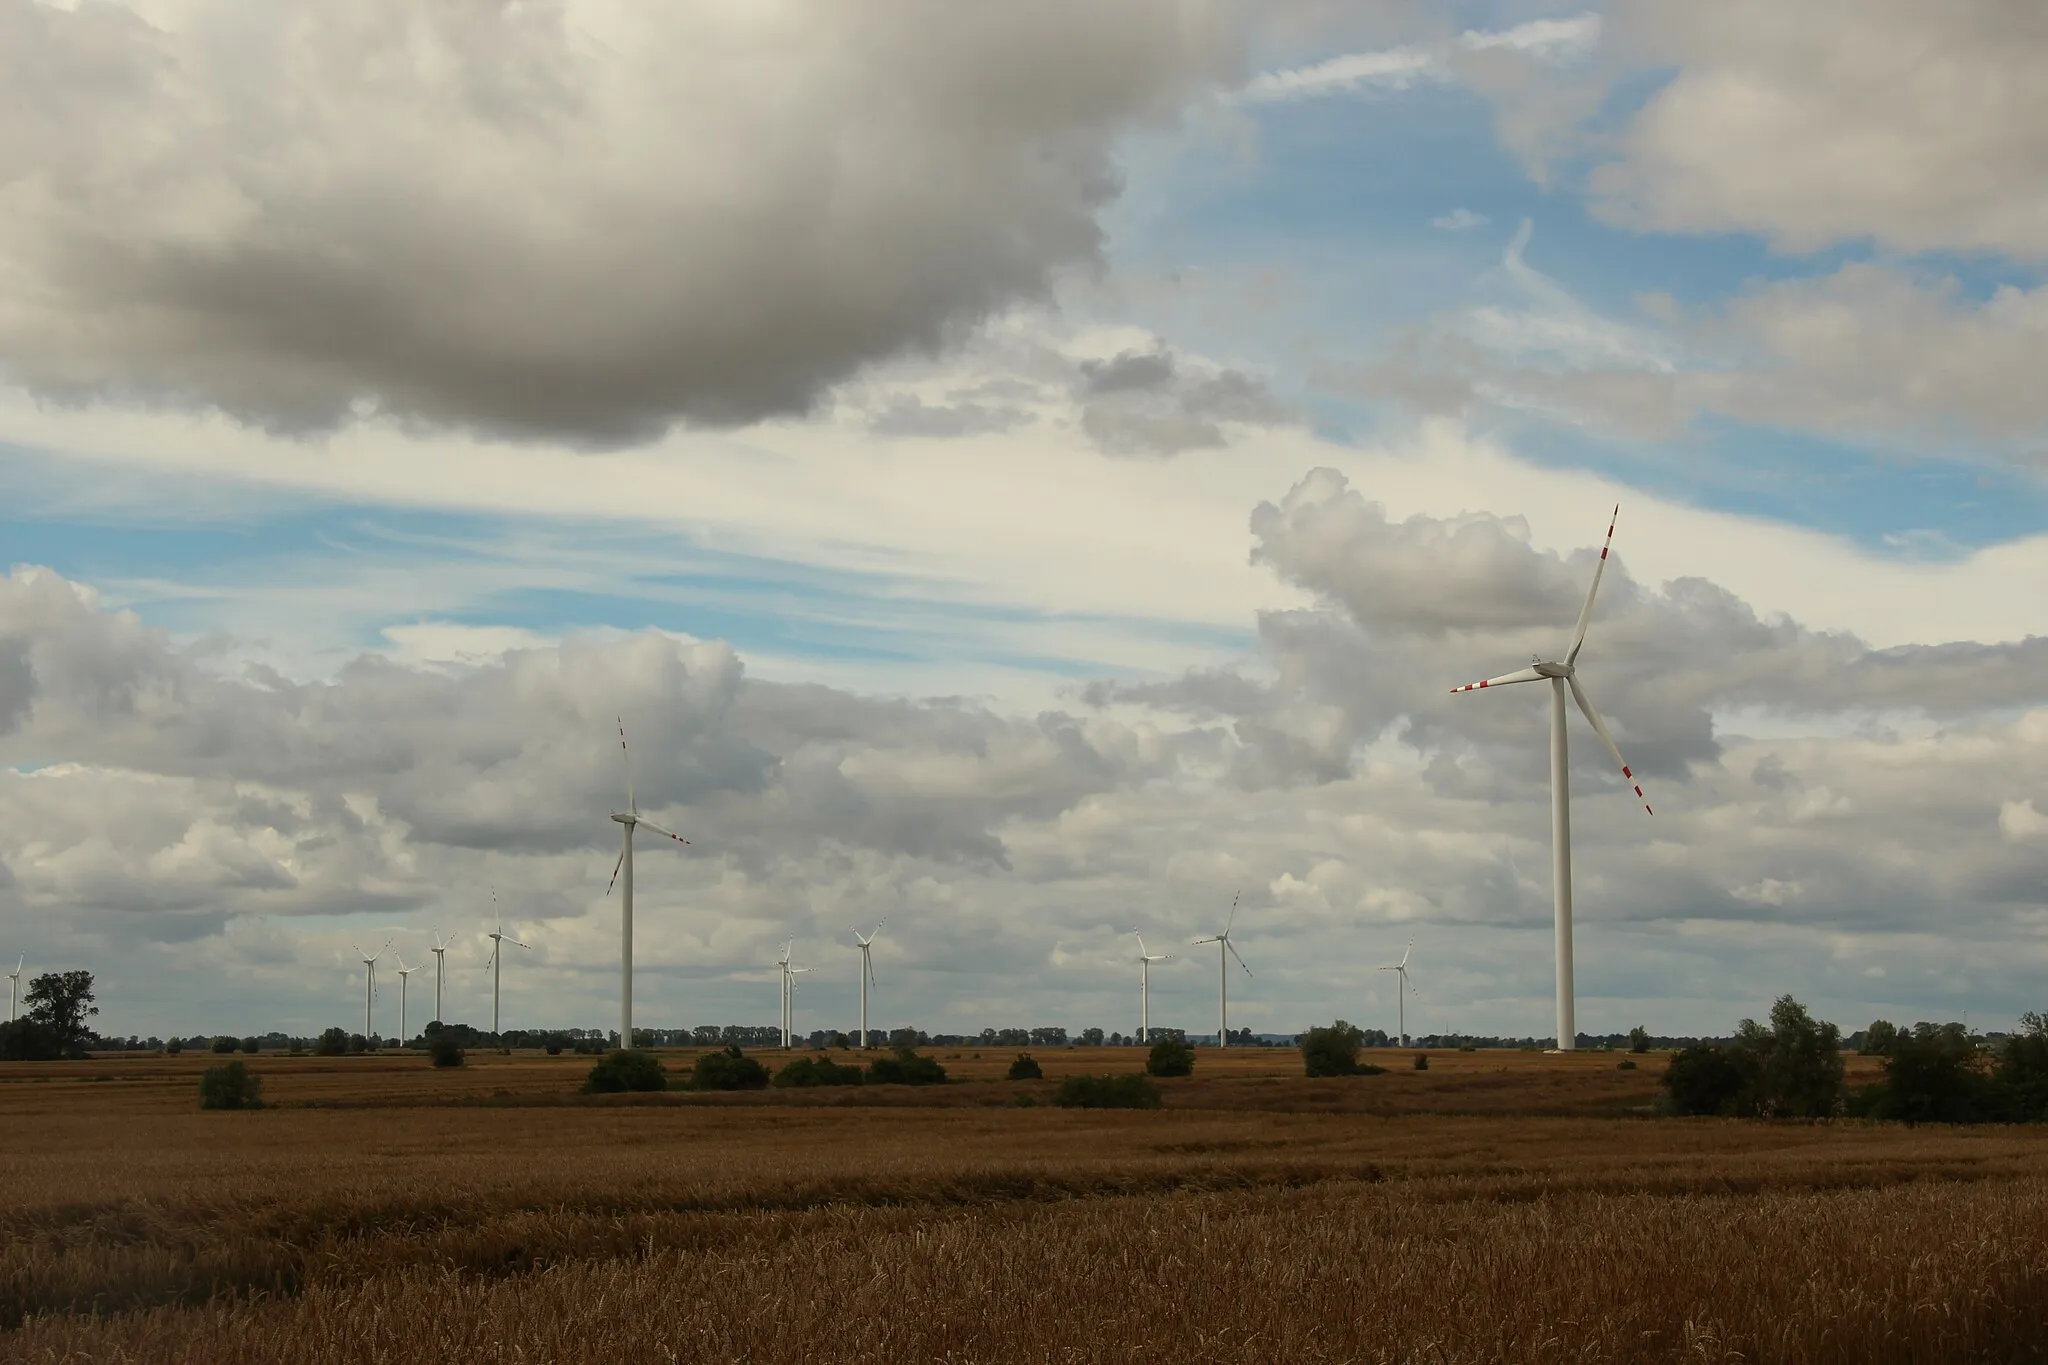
(1497, 1206)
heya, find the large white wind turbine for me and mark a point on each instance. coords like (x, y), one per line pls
(789, 976)
(499, 938)
(867, 973)
(403, 973)
(440, 951)
(1224, 945)
(631, 819)
(369, 985)
(14, 987)
(1145, 961)
(1401, 989)
(1562, 676)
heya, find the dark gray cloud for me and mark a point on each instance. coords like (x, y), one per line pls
(550, 220)
(1148, 403)
(908, 415)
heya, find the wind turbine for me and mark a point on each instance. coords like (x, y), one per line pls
(789, 975)
(631, 819)
(1145, 961)
(369, 985)
(14, 987)
(867, 973)
(499, 938)
(1401, 989)
(440, 951)
(403, 972)
(1224, 945)
(1562, 676)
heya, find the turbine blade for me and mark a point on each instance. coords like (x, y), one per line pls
(1234, 953)
(627, 755)
(1600, 727)
(1233, 914)
(649, 824)
(1586, 612)
(1519, 675)
(615, 872)
(1141, 942)
(1213, 938)
(1410, 949)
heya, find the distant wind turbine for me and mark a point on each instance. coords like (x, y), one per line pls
(499, 938)
(1224, 945)
(369, 985)
(867, 973)
(440, 951)
(789, 976)
(14, 987)
(631, 819)
(1145, 961)
(1562, 676)
(1401, 989)
(403, 973)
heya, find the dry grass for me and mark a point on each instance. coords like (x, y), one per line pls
(134, 1227)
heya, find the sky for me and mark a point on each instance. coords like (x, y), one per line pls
(1024, 473)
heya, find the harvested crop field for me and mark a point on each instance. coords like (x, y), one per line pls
(386, 1212)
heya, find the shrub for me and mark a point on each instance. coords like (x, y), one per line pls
(1934, 1074)
(25, 1040)
(173, 1047)
(1638, 1039)
(1625, 1064)
(1879, 1037)
(624, 1069)
(1331, 1049)
(1703, 1079)
(230, 1086)
(906, 1067)
(554, 1048)
(225, 1044)
(252, 1046)
(809, 1071)
(358, 1043)
(445, 1051)
(331, 1043)
(1170, 1057)
(1422, 1061)
(1026, 1068)
(1129, 1091)
(730, 1069)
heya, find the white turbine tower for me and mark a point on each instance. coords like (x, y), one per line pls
(789, 976)
(1223, 946)
(630, 819)
(1562, 676)
(369, 985)
(403, 973)
(1145, 961)
(440, 951)
(867, 973)
(14, 987)
(1401, 989)
(499, 938)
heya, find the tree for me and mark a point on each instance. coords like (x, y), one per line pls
(1878, 1038)
(230, 1086)
(331, 1043)
(1170, 1057)
(252, 1045)
(61, 1002)
(1638, 1039)
(1331, 1049)
(906, 1067)
(1026, 1068)
(1934, 1075)
(627, 1069)
(2023, 1068)
(443, 1050)
(1091, 1037)
(1703, 1079)
(1794, 1067)
(225, 1044)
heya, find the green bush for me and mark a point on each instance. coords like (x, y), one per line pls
(1703, 1079)
(173, 1047)
(906, 1066)
(1331, 1049)
(1026, 1068)
(1422, 1061)
(554, 1047)
(25, 1040)
(1170, 1057)
(331, 1043)
(809, 1071)
(1879, 1037)
(252, 1046)
(1935, 1074)
(445, 1051)
(1625, 1064)
(727, 1070)
(623, 1070)
(225, 1044)
(230, 1086)
(1129, 1091)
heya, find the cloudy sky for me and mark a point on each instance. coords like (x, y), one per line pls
(1023, 471)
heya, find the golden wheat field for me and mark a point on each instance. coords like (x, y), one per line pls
(1498, 1207)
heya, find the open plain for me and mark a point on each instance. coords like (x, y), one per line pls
(1499, 1206)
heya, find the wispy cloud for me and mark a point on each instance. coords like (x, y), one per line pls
(1554, 41)
(1460, 220)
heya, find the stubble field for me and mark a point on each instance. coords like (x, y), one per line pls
(1500, 1206)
